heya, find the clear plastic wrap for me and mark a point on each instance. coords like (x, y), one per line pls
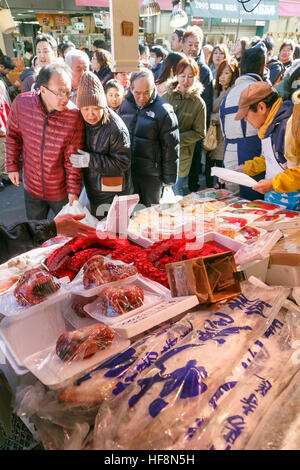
(279, 427)
(83, 343)
(116, 301)
(182, 366)
(34, 287)
(153, 406)
(257, 250)
(249, 234)
(268, 206)
(99, 271)
(215, 193)
(258, 377)
(125, 308)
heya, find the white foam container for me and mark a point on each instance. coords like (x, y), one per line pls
(77, 287)
(30, 341)
(154, 294)
(227, 242)
(154, 316)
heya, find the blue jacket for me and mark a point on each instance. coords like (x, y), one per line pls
(206, 78)
(241, 140)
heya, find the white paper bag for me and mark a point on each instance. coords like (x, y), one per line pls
(168, 196)
(84, 200)
(77, 209)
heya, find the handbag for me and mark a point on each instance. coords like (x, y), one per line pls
(210, 141)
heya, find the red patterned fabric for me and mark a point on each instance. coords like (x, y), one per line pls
(45, 142)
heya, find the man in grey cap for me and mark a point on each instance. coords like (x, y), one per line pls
(261, 106)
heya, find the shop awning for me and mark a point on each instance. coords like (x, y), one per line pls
(291, 8)
(164, 4)
(266, 10)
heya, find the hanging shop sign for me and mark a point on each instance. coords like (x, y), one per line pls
(102, 20)
(164, 4)
(266, 10)
(197, 20)
(45, 19)
(62, 20)
(80, 26)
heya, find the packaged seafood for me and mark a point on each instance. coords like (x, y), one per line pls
(83, 343)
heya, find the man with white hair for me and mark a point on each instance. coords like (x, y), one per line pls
(154, 135)
(79, 62)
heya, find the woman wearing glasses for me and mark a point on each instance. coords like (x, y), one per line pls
(45, 128)
(106, 158)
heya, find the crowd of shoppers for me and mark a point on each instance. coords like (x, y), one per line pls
(77, 123)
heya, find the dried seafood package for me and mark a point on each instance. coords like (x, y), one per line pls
(83, 343)
(155, 407)
(34, 287)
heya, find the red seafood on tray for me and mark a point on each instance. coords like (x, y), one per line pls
(34, 287)
(288, 214)
(84, 343)
(250, 233)
(117, 301)
(237, 222)
(262, 205)
(98, 272)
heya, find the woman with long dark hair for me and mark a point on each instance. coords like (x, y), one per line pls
(219, 53)
(168, 71)
(101, 62)
(227, 73)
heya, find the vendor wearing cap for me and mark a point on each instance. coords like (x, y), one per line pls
(261, 106)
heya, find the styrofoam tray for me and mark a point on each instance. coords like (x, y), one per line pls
(16, 368)
(26, 334)
(153, 295)
(29, 343)
(55, 373)
(227, 242)
(76, 286)
(154, 316)
(9, 306)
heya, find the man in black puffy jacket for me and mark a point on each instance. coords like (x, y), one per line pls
(154, 134)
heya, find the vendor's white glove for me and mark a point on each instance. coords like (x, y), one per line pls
(80, 159)
(167, 185)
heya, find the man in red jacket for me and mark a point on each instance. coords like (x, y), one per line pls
(4, 111)
(45, 128)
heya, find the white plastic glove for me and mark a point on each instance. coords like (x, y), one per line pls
(167, 185)
(80, 159)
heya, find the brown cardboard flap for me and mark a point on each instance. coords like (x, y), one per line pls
(212, 278)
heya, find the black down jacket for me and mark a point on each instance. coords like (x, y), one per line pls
(109, 147)
(154, 137)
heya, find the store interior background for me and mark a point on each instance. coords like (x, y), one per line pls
(80, 24)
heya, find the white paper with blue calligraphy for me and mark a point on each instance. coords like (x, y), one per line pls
(159, 395)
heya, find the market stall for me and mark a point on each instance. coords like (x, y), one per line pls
(168, 330)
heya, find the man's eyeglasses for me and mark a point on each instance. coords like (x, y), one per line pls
(61, 94)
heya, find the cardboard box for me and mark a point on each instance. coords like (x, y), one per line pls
(211, 278)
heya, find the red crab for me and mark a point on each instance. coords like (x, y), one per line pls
(35, 286)
(83, 343)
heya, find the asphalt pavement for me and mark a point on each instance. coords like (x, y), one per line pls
(12, 207)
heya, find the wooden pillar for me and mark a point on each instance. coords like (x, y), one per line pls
(124, 35)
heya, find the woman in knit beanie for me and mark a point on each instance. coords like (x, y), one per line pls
(106, 158)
